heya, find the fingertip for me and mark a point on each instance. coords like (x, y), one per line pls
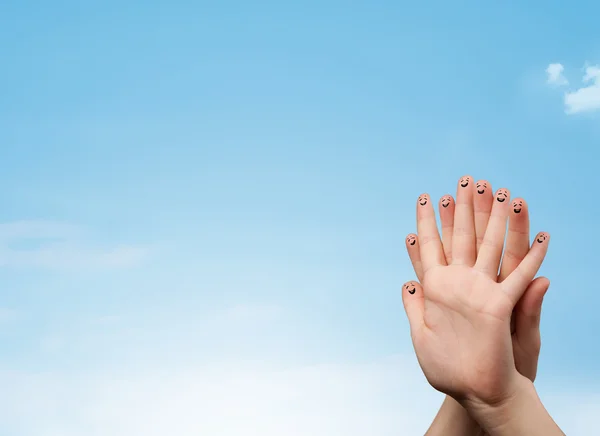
(411, 240)
(544, 286)
(482, 186)
(423, 199)
(465, 181)
(446, 201)
(539, 283)
(414, 305)
(542, 237)
(446, 207)
(518, 207)
(544, 282)
(412, 288)
(502, 195)
(538, 287)
(531, 303)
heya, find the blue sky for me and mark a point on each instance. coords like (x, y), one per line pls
(224, 188)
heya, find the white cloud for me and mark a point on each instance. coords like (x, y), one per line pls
(586, 98)
(233, 397)
(184, 396)
(555, 75)
(386, 397)
(52, 245)
(187, 394)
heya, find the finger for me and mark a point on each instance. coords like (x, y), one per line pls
(528, 310)
(527, 316)
(446, 208)
(490, 253)
(430, 245)
(517, 240)
(412, 246)
(414, 305)
(482, 205)
(464, 247)
(516, 283)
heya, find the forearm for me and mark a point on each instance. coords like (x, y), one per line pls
(522, 415)
(453, 420)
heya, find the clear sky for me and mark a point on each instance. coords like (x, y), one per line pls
(204, 205)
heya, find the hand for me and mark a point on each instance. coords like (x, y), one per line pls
(460, 321)
(452, 418)
(525, 329)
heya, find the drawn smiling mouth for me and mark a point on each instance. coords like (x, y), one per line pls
(465, 184)
(517, 210)
(501, 200)
(481, 192)
(423, 204)
(412, 242)
(445, 205)
(540, 240)
(411, 291)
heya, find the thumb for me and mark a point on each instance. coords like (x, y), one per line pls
(528, 313)
(414, 304)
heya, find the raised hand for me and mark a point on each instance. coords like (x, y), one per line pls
(525, 330)
(460, 319)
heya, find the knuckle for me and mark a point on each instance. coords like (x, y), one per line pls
(463, 231)
(513, 255)
(427, 239)
(491, 243)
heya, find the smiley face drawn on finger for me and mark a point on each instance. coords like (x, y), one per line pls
(464, 181)
(542, 237)
(411, 239)
(481, 187)
(501, 195)
(411, 288)
(446, 201)
(517, 206)
(423, 199)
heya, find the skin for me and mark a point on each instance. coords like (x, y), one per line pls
(526, 339)
(481, 187)
(461, 319)
(446, 200)
(502, 195)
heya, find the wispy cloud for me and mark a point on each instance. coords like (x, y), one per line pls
(385, 397)
(52, 245)
(586, 98)
(555, 75)
(229, 396)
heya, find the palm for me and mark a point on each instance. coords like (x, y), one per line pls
(460, 319)
(464, 320)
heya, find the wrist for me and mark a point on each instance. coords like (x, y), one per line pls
(495, 416)
(521, 412)
(452, 419)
